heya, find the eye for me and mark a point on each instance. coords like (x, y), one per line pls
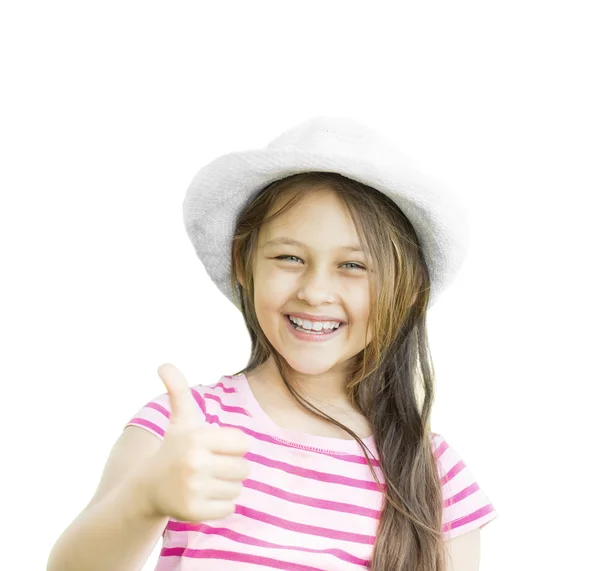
(283, 257)
(357, 266)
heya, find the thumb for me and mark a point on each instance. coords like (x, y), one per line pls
(184, 409)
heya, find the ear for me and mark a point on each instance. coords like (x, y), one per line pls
(238, 273)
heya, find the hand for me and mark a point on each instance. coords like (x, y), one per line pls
(197, 473)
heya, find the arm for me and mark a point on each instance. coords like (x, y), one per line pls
(464, 552)
(117, 530)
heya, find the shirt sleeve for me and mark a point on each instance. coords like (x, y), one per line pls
(466, 506)
(154, 416)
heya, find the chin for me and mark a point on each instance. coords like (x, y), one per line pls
(309, 365)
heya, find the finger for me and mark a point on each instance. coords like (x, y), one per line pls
(184, 409)
(232, 469)
(223, 490)
(216, 509)
(227, 440)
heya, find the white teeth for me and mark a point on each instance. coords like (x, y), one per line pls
(315, 325)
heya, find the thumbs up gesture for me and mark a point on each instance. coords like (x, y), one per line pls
(198, 471)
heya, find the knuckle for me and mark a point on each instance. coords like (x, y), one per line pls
(196, 461)
(195, 487)
(189, 466)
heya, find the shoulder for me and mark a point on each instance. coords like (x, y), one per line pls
(466, 506)
(154, 416)
(222, 397)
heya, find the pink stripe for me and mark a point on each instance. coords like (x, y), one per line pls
(227, 408)
(303, 528)
(147, 424)
(225, 389)
(248, 540)
(461, 495)
(311, 474)
(440, 449)
(308, 501)
(234, 556)
(159, 408)
(469, 518)
(453, 471)
(214, 419)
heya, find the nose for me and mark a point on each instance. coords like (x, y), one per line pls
(317, 287)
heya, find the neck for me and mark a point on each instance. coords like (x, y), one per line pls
(326, 389)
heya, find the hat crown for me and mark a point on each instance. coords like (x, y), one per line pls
(337, 136)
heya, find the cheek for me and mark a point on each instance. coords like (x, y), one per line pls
(359, 300)
(268, 302)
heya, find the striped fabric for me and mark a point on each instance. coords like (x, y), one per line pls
(309, 503)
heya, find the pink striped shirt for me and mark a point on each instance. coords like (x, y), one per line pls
(309, 503)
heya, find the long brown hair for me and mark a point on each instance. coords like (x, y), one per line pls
(392, 380)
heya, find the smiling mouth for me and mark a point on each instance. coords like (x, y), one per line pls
(312, 331)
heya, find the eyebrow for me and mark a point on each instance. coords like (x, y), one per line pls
(291, 242)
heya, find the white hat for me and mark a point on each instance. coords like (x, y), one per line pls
(326, 144)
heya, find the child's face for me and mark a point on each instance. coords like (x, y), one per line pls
(321, 278)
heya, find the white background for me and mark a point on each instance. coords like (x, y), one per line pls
(108, 111)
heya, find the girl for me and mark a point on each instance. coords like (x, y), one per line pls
(333, 249)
